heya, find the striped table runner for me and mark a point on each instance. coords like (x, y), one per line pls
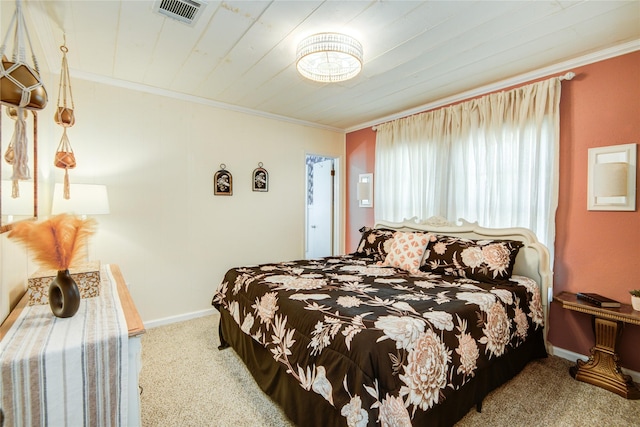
(67, 372)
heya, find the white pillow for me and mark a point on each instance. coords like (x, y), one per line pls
(406, 250)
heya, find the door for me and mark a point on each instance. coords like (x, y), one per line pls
(319, 236)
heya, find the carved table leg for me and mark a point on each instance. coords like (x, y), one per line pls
(602, 368)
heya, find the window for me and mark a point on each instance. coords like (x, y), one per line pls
(491, 160)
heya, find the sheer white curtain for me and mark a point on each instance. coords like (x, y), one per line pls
(493, 160)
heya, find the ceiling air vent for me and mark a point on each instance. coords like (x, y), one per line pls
(186, 11)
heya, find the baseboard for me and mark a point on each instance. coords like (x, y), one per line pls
(570, 355)
(179, 318)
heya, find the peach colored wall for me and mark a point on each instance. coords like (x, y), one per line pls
(594, 251)
(361, 150)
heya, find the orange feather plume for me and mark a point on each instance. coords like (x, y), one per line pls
(56, 243)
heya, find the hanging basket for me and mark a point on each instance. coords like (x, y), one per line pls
(10, 154)
(64, 117)
(12, 112)
(20, 83)
(20, 86)
(65, 159)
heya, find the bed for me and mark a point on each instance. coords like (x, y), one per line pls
(414, 328)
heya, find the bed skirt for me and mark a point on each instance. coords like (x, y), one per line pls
(273, 379)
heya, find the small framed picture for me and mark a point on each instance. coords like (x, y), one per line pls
(260, 179)
(222, 182)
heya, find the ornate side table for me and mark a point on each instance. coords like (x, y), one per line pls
(602, 368)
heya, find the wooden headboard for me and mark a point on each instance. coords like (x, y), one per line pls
(532, 260)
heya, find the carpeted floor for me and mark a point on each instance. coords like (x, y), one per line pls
(187, 381)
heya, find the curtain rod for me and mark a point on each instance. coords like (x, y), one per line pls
(568, 76)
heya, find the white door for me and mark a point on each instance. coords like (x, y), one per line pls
(320, 211)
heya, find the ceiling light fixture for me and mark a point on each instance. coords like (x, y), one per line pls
(329, 57)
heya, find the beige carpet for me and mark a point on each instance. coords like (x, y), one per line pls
(187, 381)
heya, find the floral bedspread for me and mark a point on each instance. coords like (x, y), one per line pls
(379, 344)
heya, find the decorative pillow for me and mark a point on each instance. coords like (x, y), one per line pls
(483, 260)
(374, 242)
(406, 250)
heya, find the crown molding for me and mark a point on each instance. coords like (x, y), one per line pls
(110, 81)
(561, 67)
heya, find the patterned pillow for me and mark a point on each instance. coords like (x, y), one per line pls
(407, 250)
(483, 260)
(374, 242)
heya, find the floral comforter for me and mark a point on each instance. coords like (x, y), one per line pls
(380, 345)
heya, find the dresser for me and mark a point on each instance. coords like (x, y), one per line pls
(50, 331)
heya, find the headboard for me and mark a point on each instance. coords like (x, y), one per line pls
(532, 260)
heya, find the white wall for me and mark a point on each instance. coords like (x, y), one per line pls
(172, 238)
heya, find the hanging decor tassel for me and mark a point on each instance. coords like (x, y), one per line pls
(67, 193)
(21, 158)
(65, 117)
(10, 154)
(16, 154)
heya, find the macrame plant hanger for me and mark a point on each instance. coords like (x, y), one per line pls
(64, 116)
(21, 89)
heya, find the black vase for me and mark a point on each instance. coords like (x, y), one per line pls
(64, 296)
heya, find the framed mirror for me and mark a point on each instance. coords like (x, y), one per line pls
(23, 204)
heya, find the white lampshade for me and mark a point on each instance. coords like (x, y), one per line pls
(364, 191)
(85, 199)
(329, 57)
(610, 179)
(19, 206)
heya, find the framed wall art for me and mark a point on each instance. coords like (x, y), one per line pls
(223, 182)
(260, 179)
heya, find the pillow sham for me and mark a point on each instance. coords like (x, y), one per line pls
(489, 261)
(374, 243)
(406, 250)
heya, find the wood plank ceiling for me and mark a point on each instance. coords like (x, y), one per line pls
(242, 53)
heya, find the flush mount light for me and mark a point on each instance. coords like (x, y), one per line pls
(329, 57)
(611, 184)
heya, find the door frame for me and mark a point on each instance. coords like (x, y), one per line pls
(336, 218)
